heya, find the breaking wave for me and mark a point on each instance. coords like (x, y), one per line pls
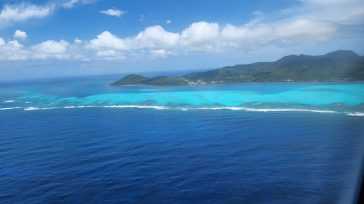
(246, 109)
(355, 114)
(9, 101)
(10, 108)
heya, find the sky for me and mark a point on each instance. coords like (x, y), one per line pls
(49, 38)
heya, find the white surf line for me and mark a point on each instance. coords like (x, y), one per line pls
(265, 109)
(137, 106)
(9, 101)
(355, 113)
(10, 108)
(233, 108)
(32, 108)
(51, 108)
(38, 108)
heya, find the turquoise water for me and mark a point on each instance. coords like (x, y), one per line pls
(347, 98)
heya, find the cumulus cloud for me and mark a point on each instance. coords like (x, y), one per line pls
(113, 12)
(21, 35)
(15, 43)
(23, 12)
(107, 41)
(52, 47)
(200, 33)
(12, 50)
(156, 37)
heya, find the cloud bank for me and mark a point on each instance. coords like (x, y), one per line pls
(312, 21)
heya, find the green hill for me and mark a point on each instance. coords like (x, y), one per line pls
(338, 66)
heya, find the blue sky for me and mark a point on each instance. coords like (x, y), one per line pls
(86, 37)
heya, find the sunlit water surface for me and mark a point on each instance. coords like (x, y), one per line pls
(81, 140)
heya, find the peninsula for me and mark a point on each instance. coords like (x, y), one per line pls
(337, 66)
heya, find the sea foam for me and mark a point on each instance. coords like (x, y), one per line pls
(267, 109)
(10, 108)
(355, 114)
(137, 106)
(215, 108)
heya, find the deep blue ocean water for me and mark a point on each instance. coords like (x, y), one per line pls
(82, 141)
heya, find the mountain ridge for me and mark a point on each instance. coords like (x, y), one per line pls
(336, 66)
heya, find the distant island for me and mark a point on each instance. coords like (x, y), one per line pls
(337, 66)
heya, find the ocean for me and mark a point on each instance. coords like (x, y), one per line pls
(80, 140)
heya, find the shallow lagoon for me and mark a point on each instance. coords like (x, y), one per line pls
(347, 98)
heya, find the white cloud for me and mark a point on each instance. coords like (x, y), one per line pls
(23, 12)
(168, 21)
(156, 36)
(71, 3)
(108, 41)
(78, 41)
(110, 55)
(327, 2)
(340, 11)
(2, 41)
(199, 33)
(12, 50)
(15, 43)
(236, 33)
(21, 35)
(247, 37)
(51, 49)
(113, 12)
(293, 31)
(160, 53)
(304, 29)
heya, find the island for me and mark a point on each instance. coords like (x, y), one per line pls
(337, 66)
